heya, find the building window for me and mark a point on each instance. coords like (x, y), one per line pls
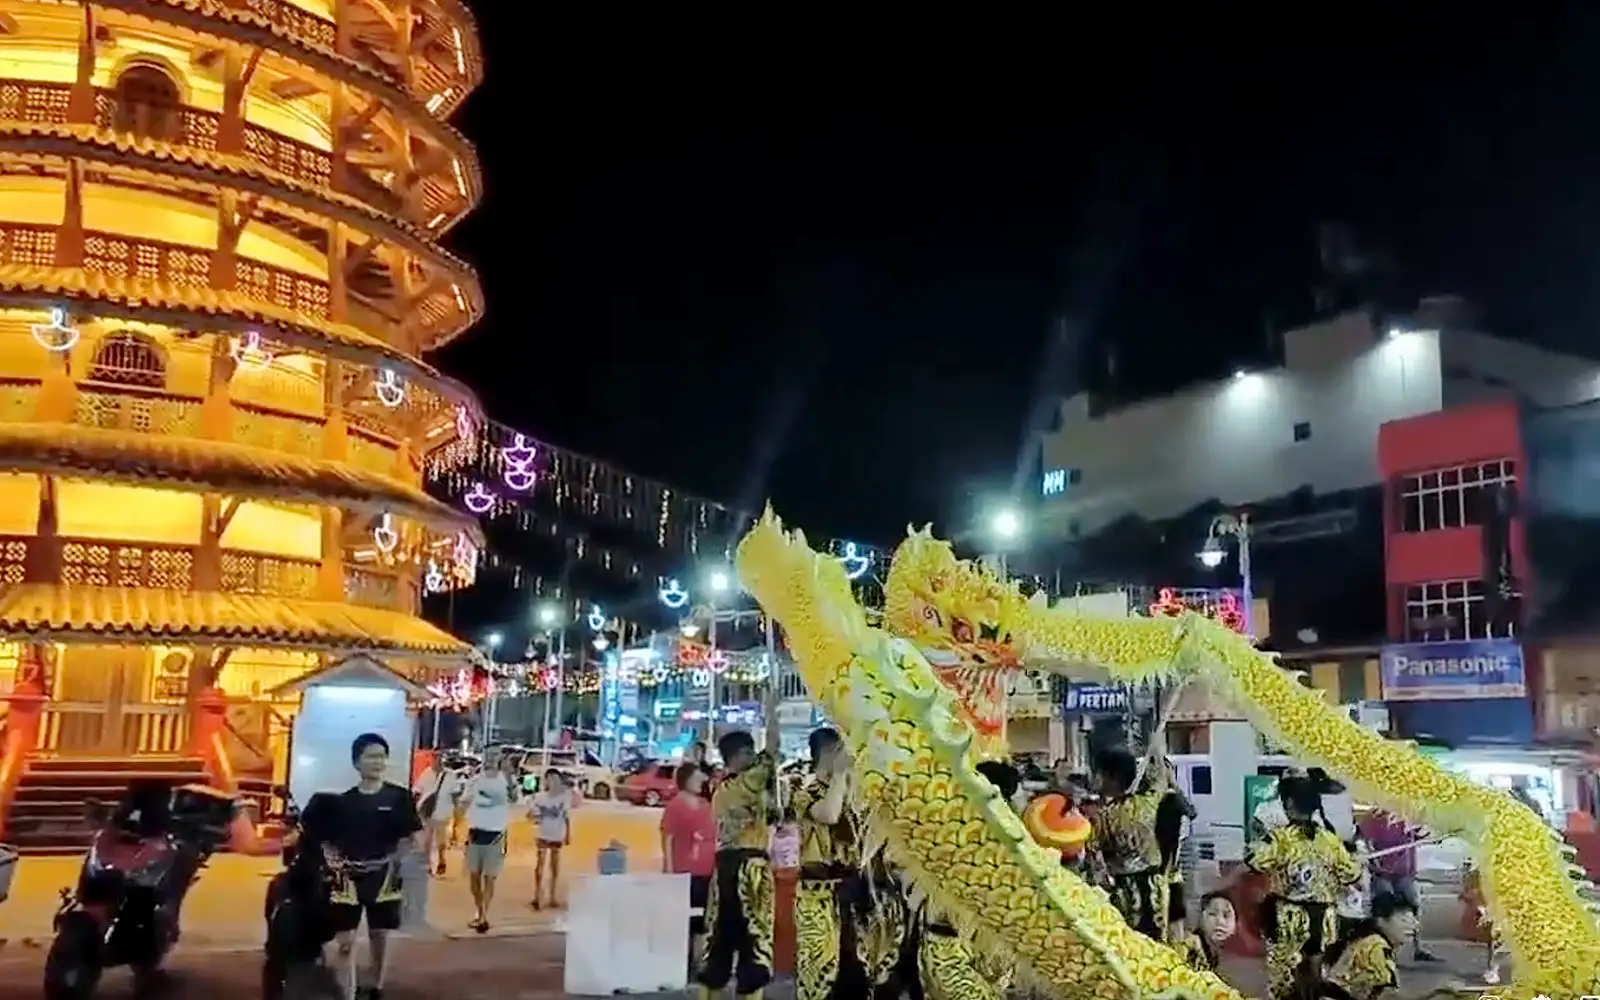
(1074, 477)
(129, 359)
(1302, 431)
(1451, 498)
(147, 103)
(1460, 609)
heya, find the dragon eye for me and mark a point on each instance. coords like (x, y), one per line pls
(931, 613)
(961, 630)
(990, 632)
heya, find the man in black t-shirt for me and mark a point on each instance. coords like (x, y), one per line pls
(371, 827)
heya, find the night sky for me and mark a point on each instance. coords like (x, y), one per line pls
(754, 263)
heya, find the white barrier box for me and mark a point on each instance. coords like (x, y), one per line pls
(8, 870)
(627, 933)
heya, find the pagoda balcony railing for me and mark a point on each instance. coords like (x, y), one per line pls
(96, 562)
(46, 104)
(303, 26)
(153, 411)
(196, 128)
(180, 264)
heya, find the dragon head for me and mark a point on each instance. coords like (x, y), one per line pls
(962, 618)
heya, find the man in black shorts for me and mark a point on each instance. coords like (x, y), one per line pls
(373, 826)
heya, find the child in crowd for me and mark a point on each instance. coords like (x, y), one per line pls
(1360, 965)
(551, 809)
(1202, 949)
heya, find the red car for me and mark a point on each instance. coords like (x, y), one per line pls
(651, 785)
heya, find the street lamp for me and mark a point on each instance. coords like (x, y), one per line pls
(547, 616)
(719, 581)
(1212, 552)
(1006, 525)
(493, 641)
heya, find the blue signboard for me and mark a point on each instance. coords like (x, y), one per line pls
(1451, 671)
(1095, 699)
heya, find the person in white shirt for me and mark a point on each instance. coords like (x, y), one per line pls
(437, 791)
(552, 810)
(488, 799)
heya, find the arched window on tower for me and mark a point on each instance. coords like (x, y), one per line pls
(147, 103)
(129, 359)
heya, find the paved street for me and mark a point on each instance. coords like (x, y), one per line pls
(524, 967)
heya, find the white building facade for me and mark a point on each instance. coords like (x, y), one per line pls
(1262, 434)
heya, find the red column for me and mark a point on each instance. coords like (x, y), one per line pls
(208, 715)
(21, 736)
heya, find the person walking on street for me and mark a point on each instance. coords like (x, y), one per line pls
(551, 809)
(488, 797)
(437, 792)
(371, 827)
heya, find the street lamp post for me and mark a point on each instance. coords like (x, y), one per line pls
(1212, 554)
(718, 583)
(548, 616)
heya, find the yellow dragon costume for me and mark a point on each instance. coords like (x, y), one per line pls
(915, 749)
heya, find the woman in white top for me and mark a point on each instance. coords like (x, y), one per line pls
(552, 810)
(437, 791)
(488, 798)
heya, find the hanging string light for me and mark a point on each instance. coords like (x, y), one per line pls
(478, 499)
(384, 536)
(56, 335)
(389, 389)
(249, 351)
(518, 457)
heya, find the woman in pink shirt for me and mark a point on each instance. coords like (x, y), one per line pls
(689, 843)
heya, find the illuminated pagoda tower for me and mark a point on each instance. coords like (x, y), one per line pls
(219, 266)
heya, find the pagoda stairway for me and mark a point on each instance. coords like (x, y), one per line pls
(47, 814)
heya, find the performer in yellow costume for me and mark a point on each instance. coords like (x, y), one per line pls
(1308, 869)
(1125, 833)
(829, 901)
(739, 909)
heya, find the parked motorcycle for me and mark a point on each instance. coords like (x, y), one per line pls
(145, 854)
(297, 908)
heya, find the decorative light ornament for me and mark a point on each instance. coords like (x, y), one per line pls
(717, 660)
(596, 618)
(464, 554)
(478, 499)
(248, 351)
(56, 335)
(673, 595)
(601, 643)
(433, 580)
(384, 536)
(700, 677)
(661, 672)
(391, 392)
(463, 423)
(854, 564)
(518, 458)
(762, 669)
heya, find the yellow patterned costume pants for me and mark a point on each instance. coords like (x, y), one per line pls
(1142, 899)
(1296, 932)
(739, 916)
(828, 924)
(952, 970)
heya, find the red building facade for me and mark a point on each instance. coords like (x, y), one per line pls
(1442, 472)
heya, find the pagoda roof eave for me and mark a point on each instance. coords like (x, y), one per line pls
(97, 294)
(189, 464)
(83, 614)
